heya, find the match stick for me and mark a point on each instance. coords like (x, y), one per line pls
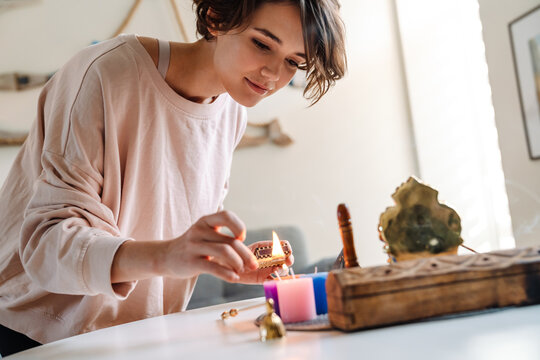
(234, 312)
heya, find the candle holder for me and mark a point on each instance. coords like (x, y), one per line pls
(265, 258)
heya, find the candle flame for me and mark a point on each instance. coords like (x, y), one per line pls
(277, 251)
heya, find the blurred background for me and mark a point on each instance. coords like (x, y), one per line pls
(431, 91)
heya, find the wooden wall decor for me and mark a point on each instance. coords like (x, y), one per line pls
(270, 132)
(406, 291)
(12, 139)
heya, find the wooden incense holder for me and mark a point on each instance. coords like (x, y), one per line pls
(418, 289)
(264, 255)
(345, 228)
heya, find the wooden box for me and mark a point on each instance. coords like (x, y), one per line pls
(418, 289)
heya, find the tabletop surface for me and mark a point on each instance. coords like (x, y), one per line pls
(511, 333)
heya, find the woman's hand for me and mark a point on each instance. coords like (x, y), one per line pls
(204, 249)
(260, 275)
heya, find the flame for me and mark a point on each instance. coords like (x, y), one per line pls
(277, 251)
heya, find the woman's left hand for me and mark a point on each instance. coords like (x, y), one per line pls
(260, 275)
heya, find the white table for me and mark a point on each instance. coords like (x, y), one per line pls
(508, 334)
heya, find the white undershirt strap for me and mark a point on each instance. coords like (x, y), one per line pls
(164, 56)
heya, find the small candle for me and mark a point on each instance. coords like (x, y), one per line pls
(296, 300)
(270, 292)
(319, 289)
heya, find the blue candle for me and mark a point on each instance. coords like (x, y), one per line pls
(319, 287)
(270, 292)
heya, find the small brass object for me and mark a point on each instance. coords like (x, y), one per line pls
(271, 325)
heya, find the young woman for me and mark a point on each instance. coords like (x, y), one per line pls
(110, 208)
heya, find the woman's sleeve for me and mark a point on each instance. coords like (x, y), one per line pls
(69, 237)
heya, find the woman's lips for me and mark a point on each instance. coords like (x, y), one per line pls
(258, 89)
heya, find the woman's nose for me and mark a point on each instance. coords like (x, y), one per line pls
(271, 72)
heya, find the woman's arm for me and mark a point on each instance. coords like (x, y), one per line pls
(202, 249)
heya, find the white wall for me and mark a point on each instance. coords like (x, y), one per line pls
(522, 174)
(353, 147)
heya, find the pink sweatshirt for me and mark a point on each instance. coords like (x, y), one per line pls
(115, 154)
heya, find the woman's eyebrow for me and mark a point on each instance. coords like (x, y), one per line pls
(269, 34)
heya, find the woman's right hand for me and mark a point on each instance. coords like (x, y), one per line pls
(204, 249)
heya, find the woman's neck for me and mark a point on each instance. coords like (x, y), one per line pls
(191, 71)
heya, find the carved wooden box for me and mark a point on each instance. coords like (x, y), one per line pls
(419, 289)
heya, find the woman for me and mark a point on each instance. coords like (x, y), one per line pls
(111, 203)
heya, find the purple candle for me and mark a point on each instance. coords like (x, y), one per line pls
(270, 292)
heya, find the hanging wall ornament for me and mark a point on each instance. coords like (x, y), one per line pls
(268, 132)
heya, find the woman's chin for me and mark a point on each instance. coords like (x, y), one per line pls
(247, 101)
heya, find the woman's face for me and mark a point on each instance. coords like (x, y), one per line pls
(260, 60)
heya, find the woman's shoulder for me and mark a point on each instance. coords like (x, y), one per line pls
(151, 46)
(118, 53)
(112, 55)
(90, 54)
(92, 70)
(94, 59)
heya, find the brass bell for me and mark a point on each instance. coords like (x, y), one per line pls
(271, 325)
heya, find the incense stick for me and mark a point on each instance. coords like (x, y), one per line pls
(468, 248)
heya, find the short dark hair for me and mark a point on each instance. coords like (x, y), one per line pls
(323, 32)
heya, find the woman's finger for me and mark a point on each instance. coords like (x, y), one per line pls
(221, 253)
(229, 220)
(248, 259)
(218, 271)
(290, 260)
(256, 277)
(209, 234)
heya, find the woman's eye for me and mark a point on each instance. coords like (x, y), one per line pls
(293, 63)
(260, 45)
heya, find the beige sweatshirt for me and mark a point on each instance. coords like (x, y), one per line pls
(114, 154)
